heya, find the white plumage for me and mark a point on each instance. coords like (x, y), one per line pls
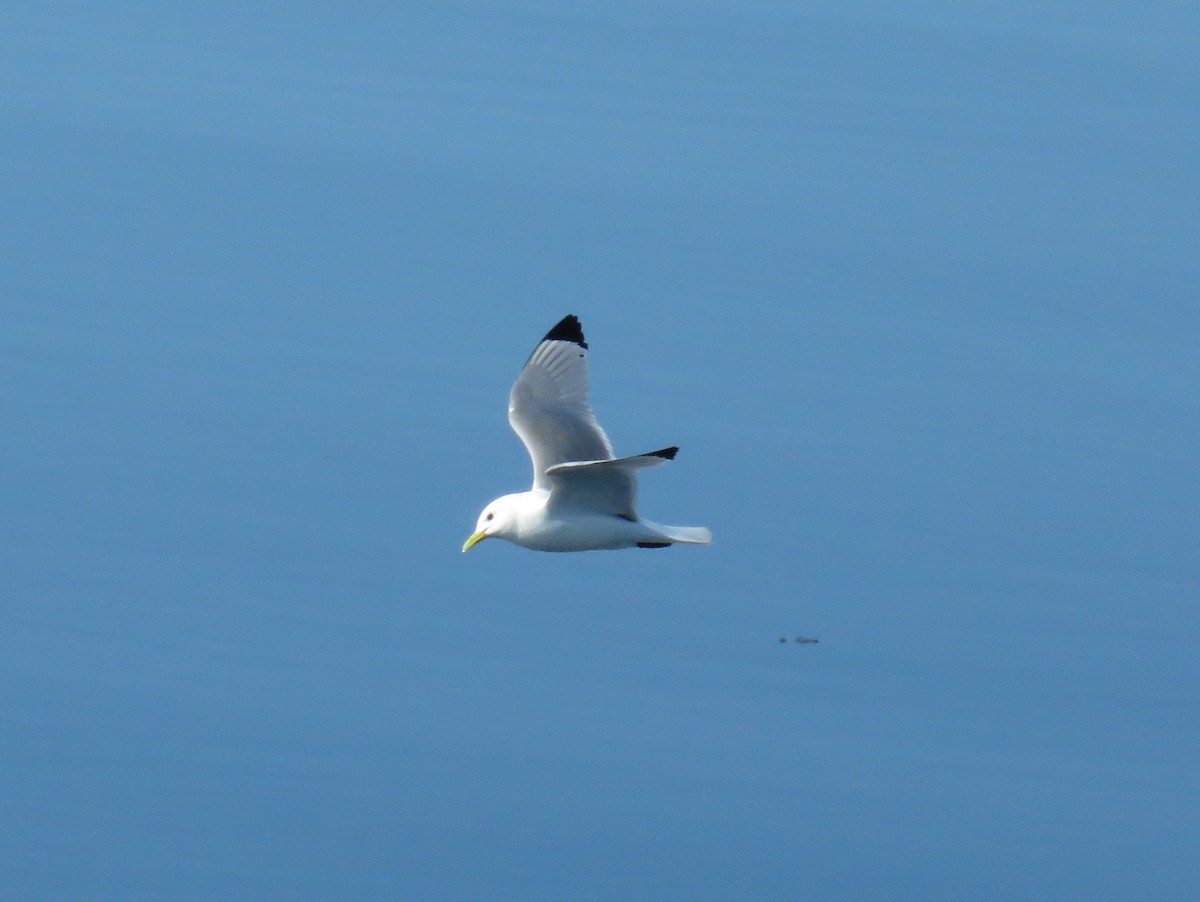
(583, 498)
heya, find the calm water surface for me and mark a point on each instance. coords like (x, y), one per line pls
(915, 293)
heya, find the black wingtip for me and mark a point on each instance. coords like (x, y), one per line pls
(665, 453)
(568, 329)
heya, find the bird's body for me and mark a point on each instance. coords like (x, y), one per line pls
(536, 525)
(583, 498)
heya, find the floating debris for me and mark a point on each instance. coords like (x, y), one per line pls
(805, 640)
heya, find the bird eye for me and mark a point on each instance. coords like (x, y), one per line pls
(489, 516)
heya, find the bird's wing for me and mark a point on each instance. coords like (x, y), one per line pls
(601, 486)
(548, 406)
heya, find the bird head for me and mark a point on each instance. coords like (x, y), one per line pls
(497, 519)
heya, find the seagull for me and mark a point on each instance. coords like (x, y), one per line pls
(583, 498)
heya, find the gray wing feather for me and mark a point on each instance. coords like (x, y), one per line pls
(548, 408)
(602, 486)
(596, 490)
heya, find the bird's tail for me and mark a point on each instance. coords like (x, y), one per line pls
(685, 535)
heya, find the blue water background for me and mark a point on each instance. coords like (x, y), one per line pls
(914, 288)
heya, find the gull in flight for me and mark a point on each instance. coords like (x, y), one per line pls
(583, 498)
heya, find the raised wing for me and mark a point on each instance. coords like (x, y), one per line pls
(548, 406)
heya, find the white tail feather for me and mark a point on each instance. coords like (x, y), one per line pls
(686, 535)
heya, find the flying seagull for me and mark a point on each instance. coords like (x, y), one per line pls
(583, 498)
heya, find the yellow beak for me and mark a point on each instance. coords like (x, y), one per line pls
(473, 541)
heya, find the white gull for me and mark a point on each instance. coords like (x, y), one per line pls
(583, 498)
